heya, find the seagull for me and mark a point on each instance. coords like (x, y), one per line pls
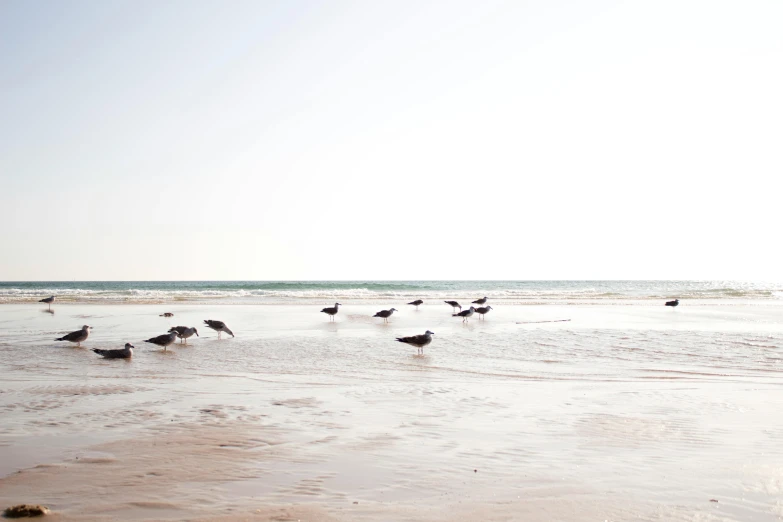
(48, 300)
(166, 314)
(184, 332)
(673, 303)
(331, 311)
(218, 326)
(482, 311)
(454, 304)
(416, 303)
(385, 314)
(419, 341)
(163, 340)
(480, 301)
(465, 314)
(78, 337)
(122, 353)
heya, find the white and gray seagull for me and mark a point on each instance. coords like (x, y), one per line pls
(385, 314)
(184, 332)
(122, 353)
(483, 310)
(465, 314)
(218, 326)
(419, 341)
(332, 311)
(49, 300)
(164, 340)
(454, 304)
(78, 337)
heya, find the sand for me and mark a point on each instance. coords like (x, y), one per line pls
(621, 413)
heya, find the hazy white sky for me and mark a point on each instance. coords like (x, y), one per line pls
(545, 139)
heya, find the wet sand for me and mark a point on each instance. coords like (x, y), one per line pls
(623, 412)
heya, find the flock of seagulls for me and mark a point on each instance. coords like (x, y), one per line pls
(185, 332)
(165, 340)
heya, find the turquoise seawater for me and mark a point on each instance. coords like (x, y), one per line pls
(261, 291)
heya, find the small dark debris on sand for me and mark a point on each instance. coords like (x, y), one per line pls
(713, 500)
(25, 510)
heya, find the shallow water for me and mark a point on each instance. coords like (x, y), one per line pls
(620, 412)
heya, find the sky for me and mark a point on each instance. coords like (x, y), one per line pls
(247, 140)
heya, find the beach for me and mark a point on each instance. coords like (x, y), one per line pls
(607, 410)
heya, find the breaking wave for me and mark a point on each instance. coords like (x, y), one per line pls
(275, 291)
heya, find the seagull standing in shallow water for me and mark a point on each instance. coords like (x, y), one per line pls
(673, 303)
(483, 310)
(164, 340)
(419, 341)
(454, 304)
(122, 353)
(480, 301)
(49, 300)
(78, 337)
(385, 314)
(465, 314)
(332, 311)
(416, 303)
(184, 332)
(218, 326)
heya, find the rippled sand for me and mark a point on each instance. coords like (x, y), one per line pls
(620, 413)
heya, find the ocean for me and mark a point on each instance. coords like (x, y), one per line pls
(512, 292)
